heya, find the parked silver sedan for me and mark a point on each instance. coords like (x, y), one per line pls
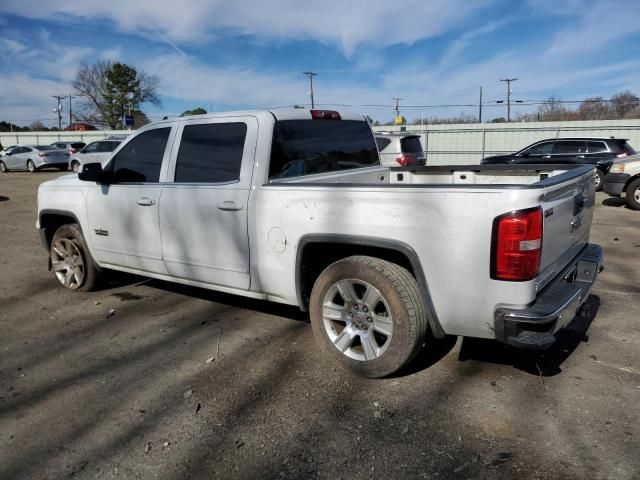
(34, 157)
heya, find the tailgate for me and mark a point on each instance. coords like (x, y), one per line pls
(567, 215)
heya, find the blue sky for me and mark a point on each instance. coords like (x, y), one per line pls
(252, 54)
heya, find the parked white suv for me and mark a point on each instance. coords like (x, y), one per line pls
(97, 151)
(400, 149)
(292, 206)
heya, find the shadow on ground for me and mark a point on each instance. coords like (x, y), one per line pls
(615, 202)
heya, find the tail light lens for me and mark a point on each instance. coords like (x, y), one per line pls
(406, 160)
(42, 154)
(325, 115)
(72, 151)
(517, 245)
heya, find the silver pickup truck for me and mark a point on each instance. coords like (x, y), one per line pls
(292, 206)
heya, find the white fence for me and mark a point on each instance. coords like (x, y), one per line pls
(46, 138)
(469, 143)
(444, 144)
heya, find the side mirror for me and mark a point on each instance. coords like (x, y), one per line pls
(91, 172)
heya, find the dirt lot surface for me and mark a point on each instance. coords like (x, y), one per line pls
(184, 383)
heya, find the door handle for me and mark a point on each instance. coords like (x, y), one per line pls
(145, 201)
(229, 206)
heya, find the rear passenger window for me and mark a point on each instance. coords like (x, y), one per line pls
(569, 147)
(211, 153)
(597, 147)
(140, 159)
(382, 143)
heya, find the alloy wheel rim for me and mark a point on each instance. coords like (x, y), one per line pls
(636, 194)
(357, 319)
(67, 263)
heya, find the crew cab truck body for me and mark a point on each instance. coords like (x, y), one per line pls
(293, 206)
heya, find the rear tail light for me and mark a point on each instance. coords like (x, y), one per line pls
(517, 245)
(42, 154)
(72, 151)
(325, 115)
(405, 160)
(623, 154)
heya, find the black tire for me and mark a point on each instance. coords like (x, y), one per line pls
(71, 237)
(31, 166)
(599, 179)
(3, 167)
(75, 166)
(399, 293)
(633, 194)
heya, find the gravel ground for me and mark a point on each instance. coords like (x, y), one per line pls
(184, 383)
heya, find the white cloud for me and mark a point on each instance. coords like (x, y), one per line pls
(347, 24)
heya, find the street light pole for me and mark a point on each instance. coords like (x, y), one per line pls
(311, 75)
(480, 107)
(508, 81)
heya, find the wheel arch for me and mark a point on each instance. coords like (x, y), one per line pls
(315, 252)
(631, 180)
(50, 220)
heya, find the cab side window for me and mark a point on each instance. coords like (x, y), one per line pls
(569, 147)
(140, 159)
(211, 153)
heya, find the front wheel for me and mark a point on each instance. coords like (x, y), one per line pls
(3, 167)
(368, 313)
(70, 259)
(75, 166)
(633, 195)
(598, 177)
(31, 166)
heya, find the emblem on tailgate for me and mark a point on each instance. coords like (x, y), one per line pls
(101, 232)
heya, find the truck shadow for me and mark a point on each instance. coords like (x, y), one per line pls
(3, 198)
(544, 363)
(614, 202)
(262, 306)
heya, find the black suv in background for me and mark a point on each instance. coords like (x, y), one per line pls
(600, 152)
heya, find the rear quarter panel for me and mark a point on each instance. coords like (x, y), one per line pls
(448, 228)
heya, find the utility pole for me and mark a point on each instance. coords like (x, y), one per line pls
(311, 75)
(58, 109)
(397, 105)
(70, 119)
(508, 80)
(480, 107)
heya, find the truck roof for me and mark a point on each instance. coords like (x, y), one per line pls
(285, 113)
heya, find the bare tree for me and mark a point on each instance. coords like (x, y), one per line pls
(594, 108)
(105, 83)
(624, 102)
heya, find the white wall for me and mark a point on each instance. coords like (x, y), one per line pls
(45, 138)
(469, 143)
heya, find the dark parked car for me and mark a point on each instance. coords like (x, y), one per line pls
(598, 151)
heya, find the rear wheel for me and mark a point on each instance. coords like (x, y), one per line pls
(3, 167)
(633, 195)
(368, 313)
(31, 166)
(75, 166)
(598, 178)
(70, 259)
